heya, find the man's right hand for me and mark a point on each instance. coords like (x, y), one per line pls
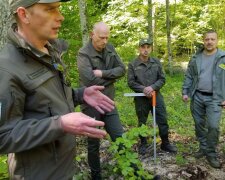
(78, 123)
(185, 98)
(148, 91)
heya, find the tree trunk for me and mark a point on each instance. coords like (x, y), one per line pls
(83, 20)
(170, 60)
(4, 21)
(152, 23)
(150, 19)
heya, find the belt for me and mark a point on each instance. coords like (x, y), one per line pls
(205, 93)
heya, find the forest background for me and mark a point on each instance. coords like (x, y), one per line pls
(176, 28)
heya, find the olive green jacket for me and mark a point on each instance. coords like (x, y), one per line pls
(141, 75)
(108, 62)
(33, 95)
(192, 75)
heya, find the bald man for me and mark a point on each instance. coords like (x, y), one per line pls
(99, 64)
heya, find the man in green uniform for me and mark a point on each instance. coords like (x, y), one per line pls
(145, 75)
(37, 122)
(99, 64)
(204, 83)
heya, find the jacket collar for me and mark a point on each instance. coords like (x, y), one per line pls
(197, 56)
(138, 61)
(93, 53)
(219, 53)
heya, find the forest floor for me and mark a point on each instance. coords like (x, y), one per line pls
(180, 166)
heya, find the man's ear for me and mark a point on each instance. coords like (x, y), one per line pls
(23, 15)
(91, 35)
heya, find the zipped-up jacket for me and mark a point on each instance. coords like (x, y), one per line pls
(141, 75)
(33, 95)
(192, 76)
(108, 62)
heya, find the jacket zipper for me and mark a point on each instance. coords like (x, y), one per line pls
(61, 86)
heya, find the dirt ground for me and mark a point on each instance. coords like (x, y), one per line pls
(193, 169)
(181, 166)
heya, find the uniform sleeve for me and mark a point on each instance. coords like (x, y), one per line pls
(16, 132)
(132, 83)
(78, 96)
(223, 85)
(188, 80)
(118, 69)
(87, 76)
(160, 78)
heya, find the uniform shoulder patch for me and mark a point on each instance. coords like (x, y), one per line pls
(222, 66)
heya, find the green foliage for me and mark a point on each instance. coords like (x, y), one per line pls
(3, 168)
(189, 19)
(125, 105)
(71, 32)
(84, 173)
(179, 115)
(180, 160)
(95, 10)
(125, 155)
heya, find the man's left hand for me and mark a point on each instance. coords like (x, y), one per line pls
(96, 99)
(97, 73)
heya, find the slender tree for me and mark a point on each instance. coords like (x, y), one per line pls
(169, 49)
(150, 19)
(83, 20)
(152, 23)
(5, 21)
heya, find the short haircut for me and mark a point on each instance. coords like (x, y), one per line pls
(209, 32)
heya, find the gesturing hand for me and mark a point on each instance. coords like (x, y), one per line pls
(96, 99)
(80, 124)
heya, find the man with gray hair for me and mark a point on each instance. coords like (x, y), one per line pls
(37, 122)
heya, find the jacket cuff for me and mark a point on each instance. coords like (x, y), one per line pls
(56, 125)
(104, 72)
(154, 87)
(78, 96)
(184, 92)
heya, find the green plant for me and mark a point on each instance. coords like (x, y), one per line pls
(127, 160)
(3, 168)
(180, 160)
(82, 174)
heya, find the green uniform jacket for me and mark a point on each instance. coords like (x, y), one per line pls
(192, 76)
(108, 62)
(32, 97)
(141, 75)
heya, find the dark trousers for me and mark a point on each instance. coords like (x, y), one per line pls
(207, 115)
(112, 126)
(143, 106)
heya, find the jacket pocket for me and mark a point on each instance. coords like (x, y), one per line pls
(34, 82)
